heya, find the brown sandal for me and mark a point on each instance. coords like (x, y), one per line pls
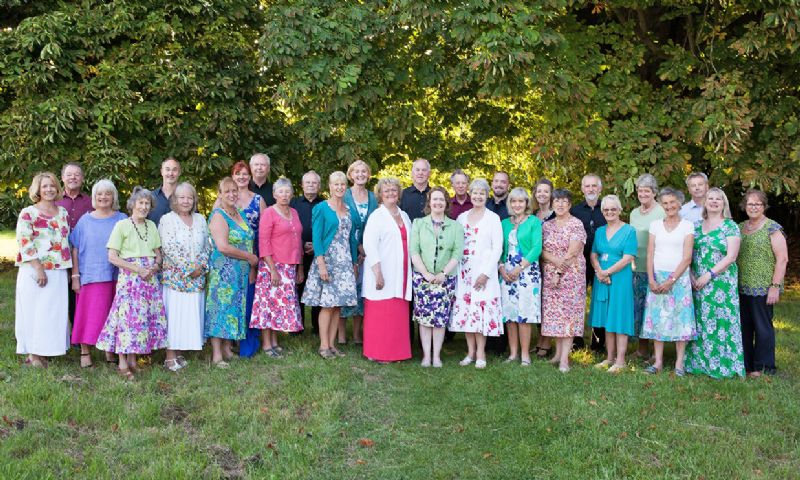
(125, 373)
(326, 354)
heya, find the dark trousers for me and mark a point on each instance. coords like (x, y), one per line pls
(758, 333)
(307, 259)
(598, 340)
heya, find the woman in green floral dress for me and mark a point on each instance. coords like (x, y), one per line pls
(717, 351)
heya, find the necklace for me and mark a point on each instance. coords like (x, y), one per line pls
(437, 223)
(645, 211)
(146, 231)
(516, 221)
(749, 227)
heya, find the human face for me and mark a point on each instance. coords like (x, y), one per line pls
(141, 208)
(478, 197)
(420, 173)
(611, 213)
(337, 189)
(714, 203)
(698, 188)
(360, 175)
(229, 195)
(283, 196)
(389, 194)
(754, 207)
(590, 186)
(645, 195)
(242, 178)
(104, 199)
(184, 201)
(561, 206)
(170, 172)
(460, 185)
(438, 203)
(543, 192)
(72, 178)
(260, 168)
(500, 185)
(518, 206)
(47, 190)
(671, 205)
(310, 185)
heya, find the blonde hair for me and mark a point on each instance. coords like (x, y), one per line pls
(726, 210)
(388, 181)
(105, 185)
(226, 181)
(520, 192)
(36, 185)
(336, 177)
(357, 163)
(173, 200)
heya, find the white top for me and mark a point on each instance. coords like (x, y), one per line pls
(691, 211)
(669, 245)
(487, 253)
(383, 243)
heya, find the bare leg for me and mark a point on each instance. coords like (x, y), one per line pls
(566, 347)
(557, 357)
(273, 338)
(622, 348)
(333, 326)
(480, 347)
(266, 342)
(171, 355)
(358, 322)
(216, 350)
(425, 334)
(513, 341)
(525, 341)
(324, 324)
(659, 350)
(470, 345)
(680, 350)
(643, 348)
(227, 349)
(86, 355)
(611, 346)
(342, 330)
(438, 339)
(123, 361)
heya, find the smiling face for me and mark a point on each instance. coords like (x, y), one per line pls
(698, 187)
(542, 194)
(500, 183)
(359, 175)
(671, 205)
(420, 172)
(141, 208)
(242, 178)
(645, 195)
(460, 184)
(184, 201)
(518, 205)
(389, 194)
(229, 195)
(754, 207)
(310, 185)
(561, 206)
(590, 186)
(478, 197)
(611, 213)
(714, 203)
(48, 191)
(170, 172)
(72, 178)
(337, 189)
(260, 168)
(438, 203)
(104, 200)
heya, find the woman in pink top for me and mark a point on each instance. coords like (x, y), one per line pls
(276, 307)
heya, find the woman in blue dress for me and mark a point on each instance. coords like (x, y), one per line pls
(613, 250)
(361, 203)
(251, 205)
(231, 265)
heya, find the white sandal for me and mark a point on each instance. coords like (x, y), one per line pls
(467, 361)
(480, 364)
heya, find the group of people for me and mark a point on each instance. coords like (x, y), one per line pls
(490, 262)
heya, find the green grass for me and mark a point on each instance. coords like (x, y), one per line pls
(302, 417)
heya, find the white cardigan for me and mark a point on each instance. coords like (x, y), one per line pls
(383, 243)
(488, 247)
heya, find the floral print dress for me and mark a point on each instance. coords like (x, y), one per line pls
(522, 299)
(717, 351)
(563, 304)
(341, 289)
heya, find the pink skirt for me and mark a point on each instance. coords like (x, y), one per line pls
(386, 333)
(92, 305)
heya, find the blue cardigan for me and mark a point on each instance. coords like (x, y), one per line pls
(324, 224)
(358, 225)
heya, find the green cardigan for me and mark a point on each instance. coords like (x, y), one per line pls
(424, 243)
(529, 236)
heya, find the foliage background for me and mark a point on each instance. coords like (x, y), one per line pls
(548, 87)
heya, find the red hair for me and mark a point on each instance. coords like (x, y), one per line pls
(239, 166)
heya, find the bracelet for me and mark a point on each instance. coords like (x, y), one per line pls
(713, 275)
(774, 285)
(671, 278)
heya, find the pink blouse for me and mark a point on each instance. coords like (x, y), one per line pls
(279, 237)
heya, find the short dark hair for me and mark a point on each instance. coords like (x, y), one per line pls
(562, 193)
(762, 197)
(427, 209)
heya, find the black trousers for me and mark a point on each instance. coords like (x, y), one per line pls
(598, 340)
(307, 259)
(758, 333)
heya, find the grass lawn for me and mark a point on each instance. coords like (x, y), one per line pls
(303, 417)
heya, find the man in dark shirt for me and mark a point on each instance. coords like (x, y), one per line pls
(589, 213)
(460, 202)
(170, 174)
(304, 204)
(75, 201)
(501, 183)
(413, 200)
(259, 166)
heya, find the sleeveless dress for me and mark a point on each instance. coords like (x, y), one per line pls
(226, 293)
(252, 341)
(341, 289)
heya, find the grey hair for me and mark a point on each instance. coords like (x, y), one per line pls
(420, 159)
(480, 183)
(457, 172)
(139, 193)
(173, 199)
(260, 155)
(282, 182)
(520, 192)
(593, 175)
(666, 191)
(646, 180)
(612, 199)
(105, 185)
(696, 175)
(312, 173)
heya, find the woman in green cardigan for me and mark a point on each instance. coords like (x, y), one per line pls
(521, 279)
(436, 247)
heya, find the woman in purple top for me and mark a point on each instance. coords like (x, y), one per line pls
(94, 278)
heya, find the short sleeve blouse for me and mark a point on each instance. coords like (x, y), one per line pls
(44, 238)
(90, 238)
(669, 245)
(133, 241)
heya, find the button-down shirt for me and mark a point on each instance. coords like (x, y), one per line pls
(498, 207)
(457, 209)
(592, 218)
(691, 211)
(265, 190)
(76, 207)
(161, 206)
(304, 206)
(413, 201)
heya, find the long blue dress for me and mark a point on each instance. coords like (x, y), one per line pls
(252, 342)
(612, 305)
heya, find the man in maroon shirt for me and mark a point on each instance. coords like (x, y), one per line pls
(460, 202)
(75, 201)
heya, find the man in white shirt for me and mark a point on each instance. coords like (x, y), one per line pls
(697, 183)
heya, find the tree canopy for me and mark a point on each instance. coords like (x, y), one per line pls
(547, 87)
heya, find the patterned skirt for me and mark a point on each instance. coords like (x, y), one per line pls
(433, 303)
(276, 308)
(137, 322)
(669, 317)
(522, 299)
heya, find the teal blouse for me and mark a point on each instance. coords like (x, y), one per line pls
(437, 250)
(529, 236)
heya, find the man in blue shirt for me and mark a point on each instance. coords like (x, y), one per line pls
(170, 174)
(697, 183)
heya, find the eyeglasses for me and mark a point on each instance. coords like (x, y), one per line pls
(609, 210)
(755, 205)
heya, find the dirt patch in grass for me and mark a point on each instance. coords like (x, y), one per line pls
(225, 458)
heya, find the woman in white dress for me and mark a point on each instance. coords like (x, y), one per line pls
(185, 247)
(477, 311)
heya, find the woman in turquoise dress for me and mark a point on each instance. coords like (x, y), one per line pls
(717, 351)
(361, 203)
(613, 250)
(231, 265)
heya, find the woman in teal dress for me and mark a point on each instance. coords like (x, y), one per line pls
(613, 250)
(717, 351)
(231, 265)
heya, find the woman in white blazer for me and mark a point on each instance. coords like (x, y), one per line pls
(387, 277)
(477, 311)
